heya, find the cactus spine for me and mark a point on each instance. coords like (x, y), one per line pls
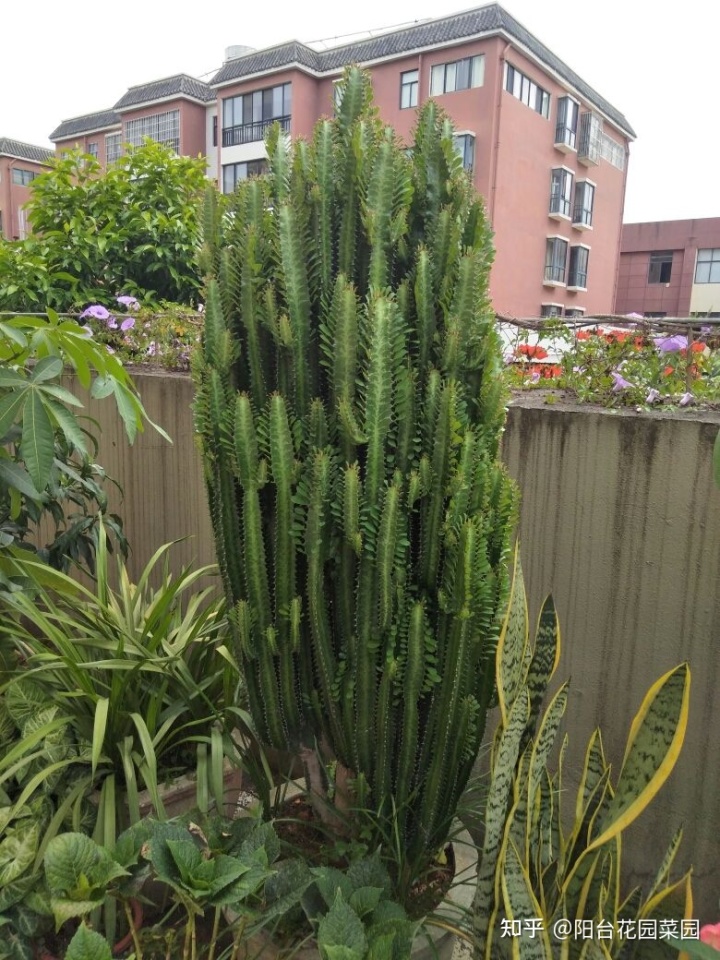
(349, 411)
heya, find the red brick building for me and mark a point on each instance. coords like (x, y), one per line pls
(670, 268)
(548, 153)
(20, 163)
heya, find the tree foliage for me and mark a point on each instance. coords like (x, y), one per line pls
(131, 229)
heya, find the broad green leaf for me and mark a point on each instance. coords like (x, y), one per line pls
(521, 904)
(11, 408)
(47, 369)
(38, 440)
(102, 387)
(513, 641)
(654, 744)
(17, 851)
(15, 475)
(86, 944)
(341, 928)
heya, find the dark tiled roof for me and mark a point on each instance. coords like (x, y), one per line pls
(483, 20)
(180, 85)
(87, 123)
(25, 151)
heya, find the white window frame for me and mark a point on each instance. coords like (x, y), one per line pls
(412, 87)
(566, 134)
(570, 284)
(551, 274)
(444, 76)
(561, 196)
(713, 263)
(581, 224)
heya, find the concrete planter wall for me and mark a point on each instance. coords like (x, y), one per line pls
(620, 521)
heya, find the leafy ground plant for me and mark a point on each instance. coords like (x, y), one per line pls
(142, 675)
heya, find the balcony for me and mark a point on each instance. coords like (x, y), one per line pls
(251, 132)
(559, 208)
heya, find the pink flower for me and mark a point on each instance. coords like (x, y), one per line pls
(710, 934)
(127, 324)
(620, 382)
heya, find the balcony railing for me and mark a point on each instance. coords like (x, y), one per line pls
(582, 216)
(560, 204)
(565, 136)
(250, 132)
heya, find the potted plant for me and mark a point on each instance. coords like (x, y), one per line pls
(349, 407)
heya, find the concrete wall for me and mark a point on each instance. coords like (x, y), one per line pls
(620, 521)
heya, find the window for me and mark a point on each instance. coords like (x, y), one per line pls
(214, 136)
(555, 260)
(551, 309)
(707, 269)
(465, 149)
(583, 206)
(233, 173)
(578, 269)
(459, 75)
(408, 89)
(573, 313)
(246, 118)
(567, 123)
(612, 151)
(161, 127)
(660, 267)
(655, 314)
(561, 185)
(113, 147)
(525, 89)
(23, 178)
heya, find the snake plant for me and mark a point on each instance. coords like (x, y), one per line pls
(349, 407)
(563, 875)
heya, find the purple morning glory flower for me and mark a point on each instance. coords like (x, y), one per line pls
(96, 311)
(152, 348)
(127, 324)
(620, 382)
(671, 344)
(534, 377)
(112, 324)
(685, 399)
(652, 396)
(130, 303)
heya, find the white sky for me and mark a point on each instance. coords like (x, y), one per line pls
(658, 64)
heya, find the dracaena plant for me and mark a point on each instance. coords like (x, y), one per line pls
(349, 406)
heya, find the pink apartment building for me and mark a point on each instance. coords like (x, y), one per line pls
(547, 152)
(670, 268)
(20, 163)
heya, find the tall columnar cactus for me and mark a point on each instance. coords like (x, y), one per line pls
(349, 406)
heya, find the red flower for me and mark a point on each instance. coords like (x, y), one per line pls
(532, 350)
(583, 334)
(668, 370)
(551, 370)
(639, 342)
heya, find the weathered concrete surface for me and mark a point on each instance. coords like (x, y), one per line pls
(620, 521)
